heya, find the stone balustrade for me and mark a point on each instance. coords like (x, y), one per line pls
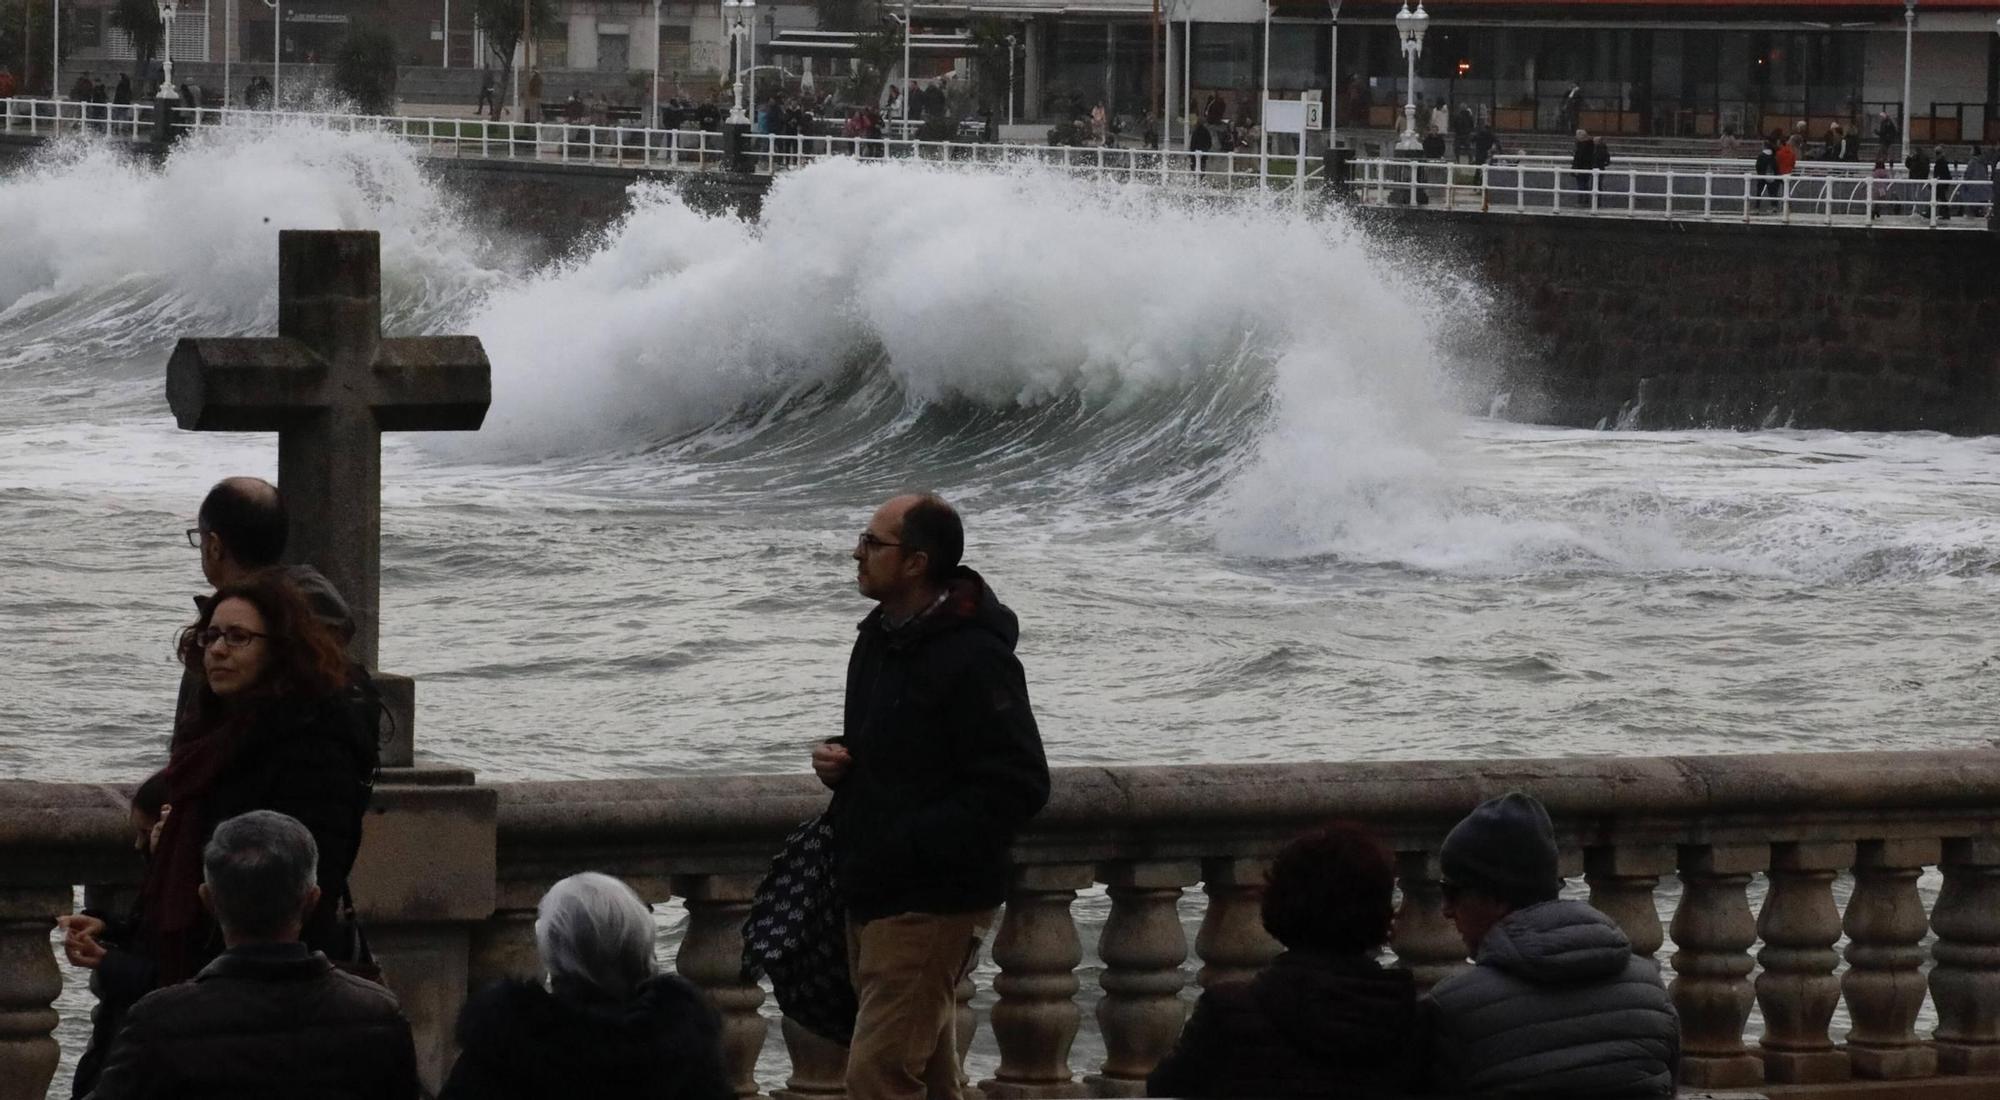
(1706, 835)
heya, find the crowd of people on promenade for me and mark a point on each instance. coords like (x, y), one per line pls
(243, 969)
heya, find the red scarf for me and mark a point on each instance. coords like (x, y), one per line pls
(175, 926)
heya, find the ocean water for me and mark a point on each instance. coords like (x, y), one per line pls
(1228, 463)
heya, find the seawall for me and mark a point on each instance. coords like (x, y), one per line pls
(1648, 324)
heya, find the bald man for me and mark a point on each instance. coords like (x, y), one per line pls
(939, 766)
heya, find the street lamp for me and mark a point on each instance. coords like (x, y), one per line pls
(653, 115)
(1909, 38)
(55, 51)
(909, 80)
(277, 46)
(167, 52)
(1333, 79)
(1010, 80)
(1410, 27)
(737, 33)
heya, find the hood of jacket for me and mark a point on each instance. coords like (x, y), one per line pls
(968, 602)
(522, 1032)
(1344, 1008)
(1557, 943)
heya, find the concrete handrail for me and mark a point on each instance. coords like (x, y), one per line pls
(1150, 833)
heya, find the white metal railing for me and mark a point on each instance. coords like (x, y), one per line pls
(1674, 190)
(1701, 188)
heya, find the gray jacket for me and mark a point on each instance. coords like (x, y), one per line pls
(1558, 1006)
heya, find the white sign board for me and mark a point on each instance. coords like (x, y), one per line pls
(1284, 116)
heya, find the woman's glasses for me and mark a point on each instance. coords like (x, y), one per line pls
(233, 637)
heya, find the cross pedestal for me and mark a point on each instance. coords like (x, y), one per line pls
(330, 384)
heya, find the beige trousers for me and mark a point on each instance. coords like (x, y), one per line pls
(906, 971)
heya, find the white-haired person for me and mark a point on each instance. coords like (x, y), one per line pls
(607, 1023)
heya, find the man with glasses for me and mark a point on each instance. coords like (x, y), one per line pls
(1557, 1004)
(939, 767)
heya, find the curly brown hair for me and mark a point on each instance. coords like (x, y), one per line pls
(304, 657)
(1332, 890)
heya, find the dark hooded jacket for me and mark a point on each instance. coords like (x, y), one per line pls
(1558, 1006)
(947, 761)
(1309, 1025)
(520, 1041)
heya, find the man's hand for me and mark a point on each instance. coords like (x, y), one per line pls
(80, 943)
(830, 763)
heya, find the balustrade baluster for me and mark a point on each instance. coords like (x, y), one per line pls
(712, 957)
(1965, 984)
(29, 984)
(1231, 942)
(1623, 882)
(965, 1022)
(1713, 931)
(1884, 983)
(1426, 944)
(1143, 948)
(1036, 1018)
(819, 1065)
(503, 945)
(1797, 990)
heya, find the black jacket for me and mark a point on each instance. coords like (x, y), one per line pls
(521, 1041)
(261, 1022)
(1558, 1007)
(1585, 156)
(948, 764)
(1309, 1025)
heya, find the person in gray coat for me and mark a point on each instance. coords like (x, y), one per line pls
(1557, 1004)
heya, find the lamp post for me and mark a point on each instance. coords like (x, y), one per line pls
(1333, 79)
(653, 116)
(228, 29)
(167, 52)
(1010, 80)
(277, 46)
(909, 82)
(1264, 98)
(1410, 27)
(55, 50)
(1909, 41)
(737, 33)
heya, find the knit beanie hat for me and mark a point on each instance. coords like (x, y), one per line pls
(1507, 848)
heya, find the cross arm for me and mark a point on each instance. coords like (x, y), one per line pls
(432, 384)
(242, 384)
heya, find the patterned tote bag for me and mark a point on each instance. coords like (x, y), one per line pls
(797, 934)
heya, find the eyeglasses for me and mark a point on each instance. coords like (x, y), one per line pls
(868, 543)
(194, 537)
(234, 637)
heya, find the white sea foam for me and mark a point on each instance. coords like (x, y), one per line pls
(1259, 379)
(194, 240)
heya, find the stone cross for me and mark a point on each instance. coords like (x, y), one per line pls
(330, 384)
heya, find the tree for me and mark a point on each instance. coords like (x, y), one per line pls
(364, 70)
(875, 53)
(841, 15)
(501, 22)
(141, 20)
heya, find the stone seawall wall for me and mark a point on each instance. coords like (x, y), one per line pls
(1671, 325)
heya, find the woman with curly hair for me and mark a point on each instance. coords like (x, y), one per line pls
(281, 722)
(1325, 1018)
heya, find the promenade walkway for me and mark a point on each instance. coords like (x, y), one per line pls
(1648, 187)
